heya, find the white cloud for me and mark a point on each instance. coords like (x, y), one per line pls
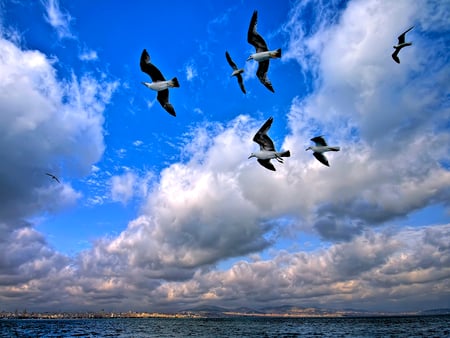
(123, 187)
(216, 204)
(138, 143)
(59, 20)
(88, 55)
(75, 106)
(191, 71)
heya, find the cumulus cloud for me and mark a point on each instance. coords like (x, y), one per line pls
(47, 125)
(215, 204)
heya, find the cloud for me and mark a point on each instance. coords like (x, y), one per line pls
(215, 204)
(59, 20)
(191, 71)
(88, 55)
(122, 187)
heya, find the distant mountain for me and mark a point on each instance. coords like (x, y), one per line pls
(297, 311)
(436, 312)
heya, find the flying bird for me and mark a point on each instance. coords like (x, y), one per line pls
(53, 177)
(263, 54)
(158, 83)
(236, 72)
(266, 148)
(320, 148)
(401, 44)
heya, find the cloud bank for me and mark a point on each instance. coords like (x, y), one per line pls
(215, 205)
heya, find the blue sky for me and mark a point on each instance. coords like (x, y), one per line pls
(160, 213)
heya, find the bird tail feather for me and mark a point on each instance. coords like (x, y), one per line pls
(286, 153)
(278, 53)
(175, 82)
(335, 148)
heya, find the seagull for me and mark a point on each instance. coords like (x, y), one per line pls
(262, 55)
(401, 44)
(267, 149)
(236, 72)
(53, 177)
(321, 147)
(159, 82)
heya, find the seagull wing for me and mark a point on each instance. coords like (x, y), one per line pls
(395, 55)
(163, 99)
(322, 159)
(266, 164)
(253, 36)
(261, 137)
(401, 37)
(241, 82)
(149, 68)
(319, 141)
(230, 61)
(261, 73)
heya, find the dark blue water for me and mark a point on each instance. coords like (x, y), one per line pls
(425, 326)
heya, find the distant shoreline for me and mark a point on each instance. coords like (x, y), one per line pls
(4, 315)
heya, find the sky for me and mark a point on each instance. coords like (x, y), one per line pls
(163, 213)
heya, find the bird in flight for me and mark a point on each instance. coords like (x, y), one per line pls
(53, 177)
(236, 72)
(320, 148)
(263, 54)
(159, 82)
(401, 44)
(266, 147)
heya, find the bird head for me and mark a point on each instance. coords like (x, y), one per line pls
(147, 84)
(252, 155)
(308, 148)
(250, 57)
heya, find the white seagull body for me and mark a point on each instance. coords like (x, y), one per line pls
(263, 54)
(236, 72)
(160, 84)
(401, 44)
(267, 149)
(320, 148)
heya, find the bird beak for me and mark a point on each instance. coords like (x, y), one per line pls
(251, 156)
(249, 58)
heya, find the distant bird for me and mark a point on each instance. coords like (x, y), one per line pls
(401, 44)
(236, 72)
(320, 148)
(53, 177)
(267, 149)
(159, 82)
(262, 55)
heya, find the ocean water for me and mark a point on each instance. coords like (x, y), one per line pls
(425, 326)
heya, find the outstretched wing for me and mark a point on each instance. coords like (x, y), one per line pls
(149, 68)
(401, 37)
(241, 82)
(253, 36)
(319, 141)
(264, 141)
(230, 61)
(395, 55)
(53, 177)
(163, 99)
(267, 164)
(322, 159)
(261, 73)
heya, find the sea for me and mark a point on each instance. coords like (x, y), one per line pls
(410, 326)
